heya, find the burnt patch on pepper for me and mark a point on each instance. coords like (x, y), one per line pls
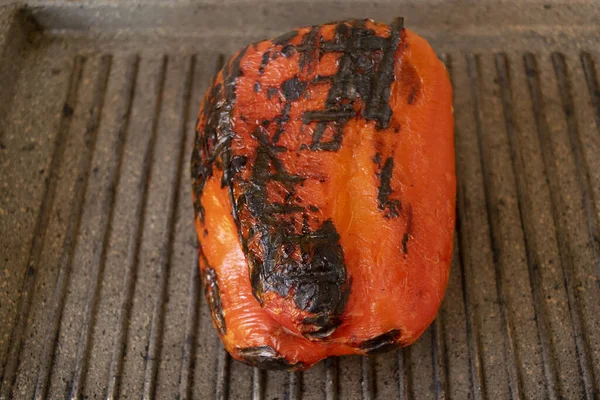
(308, 266)
(321, 333)
(288, 50)
(303, 264)
(382, 343)
(321, 326)
(362, 75)
(212, 144)
(266, 357)
(378, 107)
(390, 207)
(293, 88)
(320, 320)
(308, 48)
(238, 162)
(266, 57)
(377, 159)
(201, 165)
(318, 283)
(212, 293)
(284, 39)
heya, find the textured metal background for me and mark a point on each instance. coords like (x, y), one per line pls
(99, 291)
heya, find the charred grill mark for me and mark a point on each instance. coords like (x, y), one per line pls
(365, 43)
(266, 57)
(308, 47)
(281, 120)
(317, 144)
(332, 145)
(378, 108)
(267, 358)
(293, 88)
(382, 343)
(213, 297)
(328, 115)
(391, 207)
(285, 38)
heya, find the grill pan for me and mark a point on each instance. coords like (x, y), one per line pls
(99, 285)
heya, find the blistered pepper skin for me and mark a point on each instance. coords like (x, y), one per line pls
(324, 193)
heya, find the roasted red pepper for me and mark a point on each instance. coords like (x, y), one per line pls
(324, 190)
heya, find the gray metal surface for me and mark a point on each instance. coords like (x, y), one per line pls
(99, 292)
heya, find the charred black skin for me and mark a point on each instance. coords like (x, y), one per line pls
(317, 280)
(266, 357)
(285, 38)
(391, 207)
(212, 293)
(382, 343)
(357, 78)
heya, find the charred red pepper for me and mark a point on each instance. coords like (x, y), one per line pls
(324, 189)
